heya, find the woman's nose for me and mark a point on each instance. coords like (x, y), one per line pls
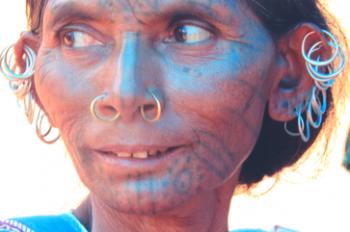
(126, 87)
(131, 89)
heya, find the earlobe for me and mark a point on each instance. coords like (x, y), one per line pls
(25, 51)
(287, 97)
(291, 88)
(26, 40)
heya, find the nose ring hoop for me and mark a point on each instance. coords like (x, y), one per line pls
(159, 110)
(98, 115)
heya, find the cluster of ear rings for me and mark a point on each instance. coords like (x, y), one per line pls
(322, 72)
(21, 85)
(324, 75)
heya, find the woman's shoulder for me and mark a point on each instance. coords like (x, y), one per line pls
(63, 222)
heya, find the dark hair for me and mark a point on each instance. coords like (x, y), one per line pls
(346, 161)
(274, 149)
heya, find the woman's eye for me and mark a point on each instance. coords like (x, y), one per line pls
(78, 39)
(190, 34)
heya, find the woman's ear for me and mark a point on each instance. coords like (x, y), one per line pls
(32, 41)
(292, 85)
(26, 39)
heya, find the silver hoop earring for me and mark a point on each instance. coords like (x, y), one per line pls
(29, 107)
(9, 68)
(43, 135)
(21, 88)
(316, 107)
(20, 83)
(303, 125)
(325, 79)
(99, 116)
(159, 110)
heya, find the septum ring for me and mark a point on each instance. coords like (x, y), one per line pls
(159, 110)
(98, 115)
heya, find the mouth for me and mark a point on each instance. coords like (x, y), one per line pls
(120, 159)
(141, 154)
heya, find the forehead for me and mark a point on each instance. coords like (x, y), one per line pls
(143, 4)
(224, 8)
(226, 13)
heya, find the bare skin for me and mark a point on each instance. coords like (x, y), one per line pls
(213, 66)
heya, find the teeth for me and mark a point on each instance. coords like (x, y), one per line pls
(124, 154)
(140, 155)
(153, 152)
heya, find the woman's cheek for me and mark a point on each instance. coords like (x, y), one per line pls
(223, 96)
(64, 92)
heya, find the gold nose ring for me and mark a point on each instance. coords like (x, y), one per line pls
(159, 110)
(96, 114)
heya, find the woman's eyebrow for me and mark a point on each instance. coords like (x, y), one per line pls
(203, 12)
(218, 14)
(68, 11)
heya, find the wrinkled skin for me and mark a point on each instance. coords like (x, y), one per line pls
(213, 86)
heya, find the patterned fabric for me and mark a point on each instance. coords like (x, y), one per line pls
(13, 226)
(66, 222)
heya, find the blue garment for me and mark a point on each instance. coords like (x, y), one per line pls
(66, 222)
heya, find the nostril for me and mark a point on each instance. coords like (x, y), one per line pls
(148, 107)
(149, 110)
(108, 111)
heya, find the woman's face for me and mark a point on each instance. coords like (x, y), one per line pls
(210, 63)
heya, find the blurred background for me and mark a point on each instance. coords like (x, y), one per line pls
(39, 179)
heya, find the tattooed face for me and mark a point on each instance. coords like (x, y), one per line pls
(211, 64)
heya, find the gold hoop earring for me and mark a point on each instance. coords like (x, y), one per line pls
(97, 115)
(159, 110)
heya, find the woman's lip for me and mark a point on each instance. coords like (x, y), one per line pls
(133, 149)
(121, 165)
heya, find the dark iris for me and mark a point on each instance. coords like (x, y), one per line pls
(180, 34)
(68, 38)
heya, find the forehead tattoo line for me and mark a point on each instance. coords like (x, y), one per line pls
(220, 11)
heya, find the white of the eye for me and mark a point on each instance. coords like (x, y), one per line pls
(80, 39)
(195, 34)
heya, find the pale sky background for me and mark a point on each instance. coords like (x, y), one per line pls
(39, 179)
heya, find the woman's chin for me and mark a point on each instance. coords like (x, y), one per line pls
(145, 203)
